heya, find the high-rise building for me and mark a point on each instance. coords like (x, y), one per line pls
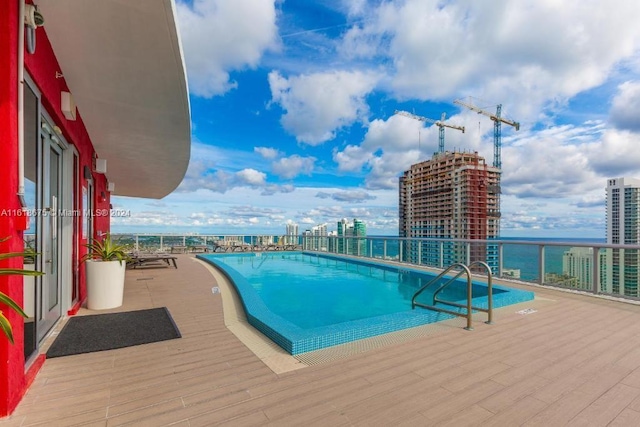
(577, 263)
(455, 195)
(291, 235)
(348, 241)
(621, 268)
(317, 238)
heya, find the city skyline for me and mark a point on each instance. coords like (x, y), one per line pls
(293, 111)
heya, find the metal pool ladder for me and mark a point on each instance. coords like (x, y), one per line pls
(469, 308)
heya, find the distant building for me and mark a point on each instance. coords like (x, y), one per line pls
(562, 280)
(513, 273)
(452, 196)
(578, 263)
(348, 241)
(291, 234)
(621, 269)
(317, 238)
(264, 240)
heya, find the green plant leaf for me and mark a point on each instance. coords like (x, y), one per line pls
(19, 272)
(6, 327)
(16, 255)
(5, 299)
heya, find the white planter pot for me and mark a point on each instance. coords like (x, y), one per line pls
(105, 284)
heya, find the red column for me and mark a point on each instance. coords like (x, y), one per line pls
(12, 378)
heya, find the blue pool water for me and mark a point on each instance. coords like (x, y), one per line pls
(305, 301)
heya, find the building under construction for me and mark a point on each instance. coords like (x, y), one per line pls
(455, 195)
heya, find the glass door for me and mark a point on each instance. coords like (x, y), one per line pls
(50, 293)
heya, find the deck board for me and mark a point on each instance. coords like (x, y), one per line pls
(575, 361)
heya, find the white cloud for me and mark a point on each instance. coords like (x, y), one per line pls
(292, 166)
(267, 153)
(350, 196)
(625, 107)
(525, 54)
(616, 154)
(389, 147)
(318, 105)
(219, 36)
(247, 207)
(251, 177)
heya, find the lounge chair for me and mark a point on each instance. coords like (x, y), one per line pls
(141, 260)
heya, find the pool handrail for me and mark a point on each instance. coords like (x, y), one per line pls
(435, 279)
(489, 309)
(464, 269)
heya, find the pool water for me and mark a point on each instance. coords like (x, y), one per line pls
(311, 291)
(307, 301)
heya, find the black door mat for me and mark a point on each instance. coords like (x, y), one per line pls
(99, 332)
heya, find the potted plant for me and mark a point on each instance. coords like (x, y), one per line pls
(106, 262)
(4, 298)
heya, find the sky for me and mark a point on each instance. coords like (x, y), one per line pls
(293, 101)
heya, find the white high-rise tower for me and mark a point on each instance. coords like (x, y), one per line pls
(621, 269)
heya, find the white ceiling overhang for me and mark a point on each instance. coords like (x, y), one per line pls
(123, 63)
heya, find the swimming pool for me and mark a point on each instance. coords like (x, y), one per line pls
(305, 302)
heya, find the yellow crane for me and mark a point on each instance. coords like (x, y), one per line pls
(440, 123)
(497, 127)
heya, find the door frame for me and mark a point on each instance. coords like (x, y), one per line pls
(47, 208)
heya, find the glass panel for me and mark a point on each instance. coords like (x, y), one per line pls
(520, 262)
(569, 267)
(31, 199)
(619, 272)
(54, 197)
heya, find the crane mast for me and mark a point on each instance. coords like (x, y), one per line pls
(497, 127)
(440, 123)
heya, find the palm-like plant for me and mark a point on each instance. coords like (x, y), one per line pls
(106, 250)
(4, 298)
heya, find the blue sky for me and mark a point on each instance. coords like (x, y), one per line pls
(293, 104)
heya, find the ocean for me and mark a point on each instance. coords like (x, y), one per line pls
(517, 257)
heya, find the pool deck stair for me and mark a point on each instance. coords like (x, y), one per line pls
(562, 359)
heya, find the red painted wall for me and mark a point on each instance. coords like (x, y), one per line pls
(11, 356)
(42, 67)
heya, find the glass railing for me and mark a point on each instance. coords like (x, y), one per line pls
(144, 242)
(582, 265)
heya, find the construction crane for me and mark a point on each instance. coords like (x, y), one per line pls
(497, 127)
(440, 123)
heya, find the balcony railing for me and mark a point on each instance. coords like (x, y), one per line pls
(594, 267)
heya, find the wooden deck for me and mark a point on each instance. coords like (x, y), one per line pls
(575, 361)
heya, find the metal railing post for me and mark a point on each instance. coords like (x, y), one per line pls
(469, 298)
(541, 264)
(384, 249)
(596, 286)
